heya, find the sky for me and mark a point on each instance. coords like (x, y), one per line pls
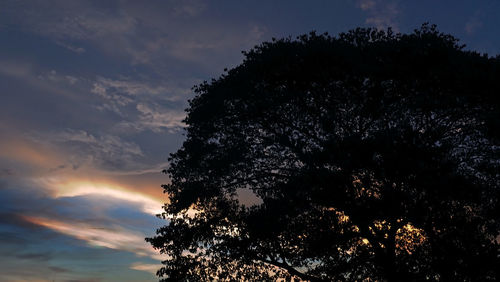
(92, 101)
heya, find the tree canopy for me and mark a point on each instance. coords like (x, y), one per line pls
(370, 155)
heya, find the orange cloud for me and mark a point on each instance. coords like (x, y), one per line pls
(75, 188)
(22, 151)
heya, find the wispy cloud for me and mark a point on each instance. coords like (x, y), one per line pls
(25, 157)
(88, 25)
(366, 4)
(130, 87)
(123, 92)
(15, 69)
(45, 81)
(72, 48)
(214, 41)
(104, 151)
(188, 7)
(473, 23)
(381, 14)
(112, 237)
(103, 148)
(149, 111)
(53, 76)
(105, 216)
(167, 34)
(157, 119)
(151, 268)
(113, 99)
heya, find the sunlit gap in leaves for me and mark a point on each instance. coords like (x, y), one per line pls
(245, 197)
(407, 237)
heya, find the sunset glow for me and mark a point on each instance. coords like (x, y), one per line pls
(82, 188)
(93, 103)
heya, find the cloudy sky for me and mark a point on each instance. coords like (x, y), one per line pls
(92, 101)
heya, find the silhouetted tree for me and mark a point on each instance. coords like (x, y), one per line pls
(372, 155)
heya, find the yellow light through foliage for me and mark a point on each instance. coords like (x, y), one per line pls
(409, 238)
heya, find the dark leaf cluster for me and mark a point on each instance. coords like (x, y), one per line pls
(370, 155)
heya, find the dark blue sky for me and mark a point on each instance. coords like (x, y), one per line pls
(93, 94)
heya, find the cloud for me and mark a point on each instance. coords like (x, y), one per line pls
(6, 172)
(150, 111)
(133, 88)
(48, 82)
(76, 188)
(189, 8)
(381, 14)
(156, 168)
(90, 24)
(216, 44)
(147, 114)
(75, 152)
(103, 215)
(40, 256)
(474, 23)
(75, 49)
(157, 118)
(100, 214)
(76, 22)
(15, 68)
(104, 144)
(145, 36)
(206, 46)
(151, 268)
(112, 81)
(105, 151)
(120, 93)
(53, 76)
(114, 99)
(21, 157)
(366, 4)
(129, 26)
(112, 237)
(58, 269)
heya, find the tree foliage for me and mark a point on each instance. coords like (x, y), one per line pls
(372, 155)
